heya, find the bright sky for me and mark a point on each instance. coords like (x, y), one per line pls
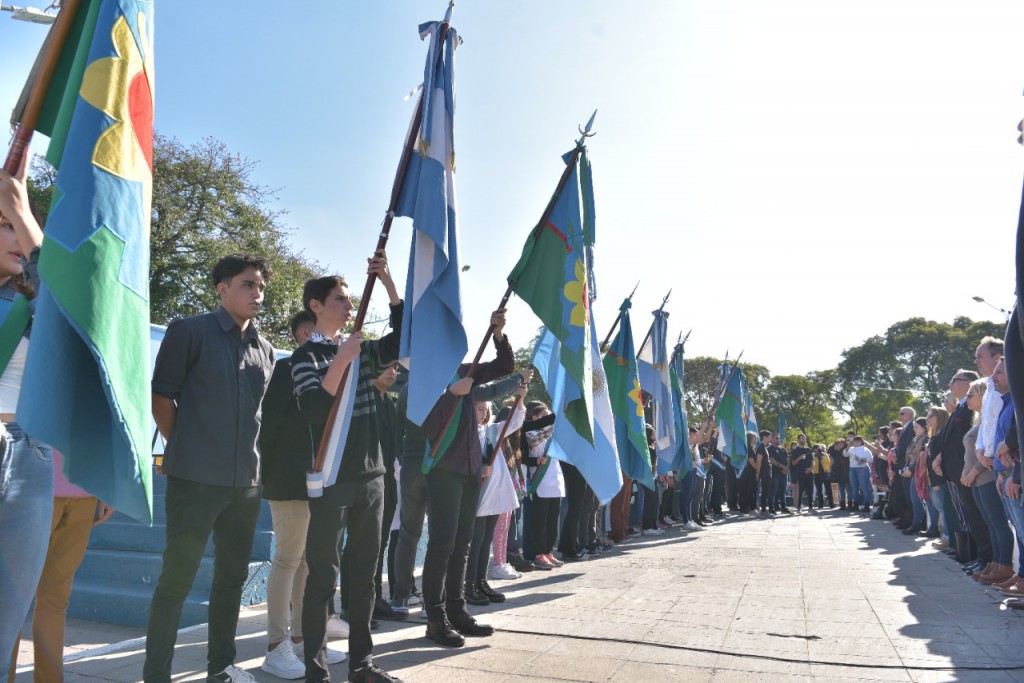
(801, 174)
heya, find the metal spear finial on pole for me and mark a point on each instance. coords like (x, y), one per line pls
(615, 325)
(651, 328)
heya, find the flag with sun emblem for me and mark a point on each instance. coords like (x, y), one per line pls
(598, 462)
(732, 424)
(86, 388)
(553, 278)
(684, 455)
(624, 392)
(653, 370)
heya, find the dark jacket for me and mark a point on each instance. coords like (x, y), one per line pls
(951, 442)
(907, 438)
(464, 454)
(286, 438)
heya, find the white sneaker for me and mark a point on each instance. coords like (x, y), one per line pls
(333, 656)
(283, 662)
(236, 675)
(651, 532)
(503, 572)
(692, 526)
(337, 628)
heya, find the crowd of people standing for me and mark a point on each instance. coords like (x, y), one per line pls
(498, 506)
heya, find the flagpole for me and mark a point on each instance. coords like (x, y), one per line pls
(725, 386)
(651, 328)
(34, 107)
(585, 133)
(504, 429)
(615, 325)
(680, 343)
(382, 241)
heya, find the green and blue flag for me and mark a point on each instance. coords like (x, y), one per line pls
(684, 454)
(732, 432)
(86, 388)
(553, 277)
(627, 406)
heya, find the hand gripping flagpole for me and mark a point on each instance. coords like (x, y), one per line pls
(651, 328)
(584, 134)
(314, 477)
(37, 96)
(615, 325)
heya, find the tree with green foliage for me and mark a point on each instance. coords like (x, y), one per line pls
(807, 402)
(703, 380)
(207, 204)
(909, 365)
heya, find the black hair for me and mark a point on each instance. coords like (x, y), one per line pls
(763, 433)
(233, 264)
(298, 319)
(319, 288)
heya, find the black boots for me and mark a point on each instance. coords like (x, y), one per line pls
(474, 596)
(481, 593)
(468, 626)
(440, 631)
(485, 589)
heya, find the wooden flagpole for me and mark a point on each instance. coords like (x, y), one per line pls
(34, 107)
(382, 241)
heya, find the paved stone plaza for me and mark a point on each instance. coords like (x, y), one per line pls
(810, 588)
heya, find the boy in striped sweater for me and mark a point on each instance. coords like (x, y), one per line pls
(353, 494)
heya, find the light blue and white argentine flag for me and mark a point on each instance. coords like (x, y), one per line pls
(653, 373)
(597, 462)
(433, 337)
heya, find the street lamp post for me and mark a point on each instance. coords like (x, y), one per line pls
(1006, 313)
(29, 14)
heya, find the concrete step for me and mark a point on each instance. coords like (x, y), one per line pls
(125, 534)
(97, 600)
(123, 597)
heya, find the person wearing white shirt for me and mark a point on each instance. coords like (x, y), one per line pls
(860, 473)
(986, 356)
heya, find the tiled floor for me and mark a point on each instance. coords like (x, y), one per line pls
(825, 597)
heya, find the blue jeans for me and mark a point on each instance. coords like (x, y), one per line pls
(933, 510)
(26, 509)
(860, 486)
(990, 503)
(936, 503)
(916, 505)
(778, 496)
(1015, 513)
(686, 495)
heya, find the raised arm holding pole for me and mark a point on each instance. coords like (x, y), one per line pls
(382, 241)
